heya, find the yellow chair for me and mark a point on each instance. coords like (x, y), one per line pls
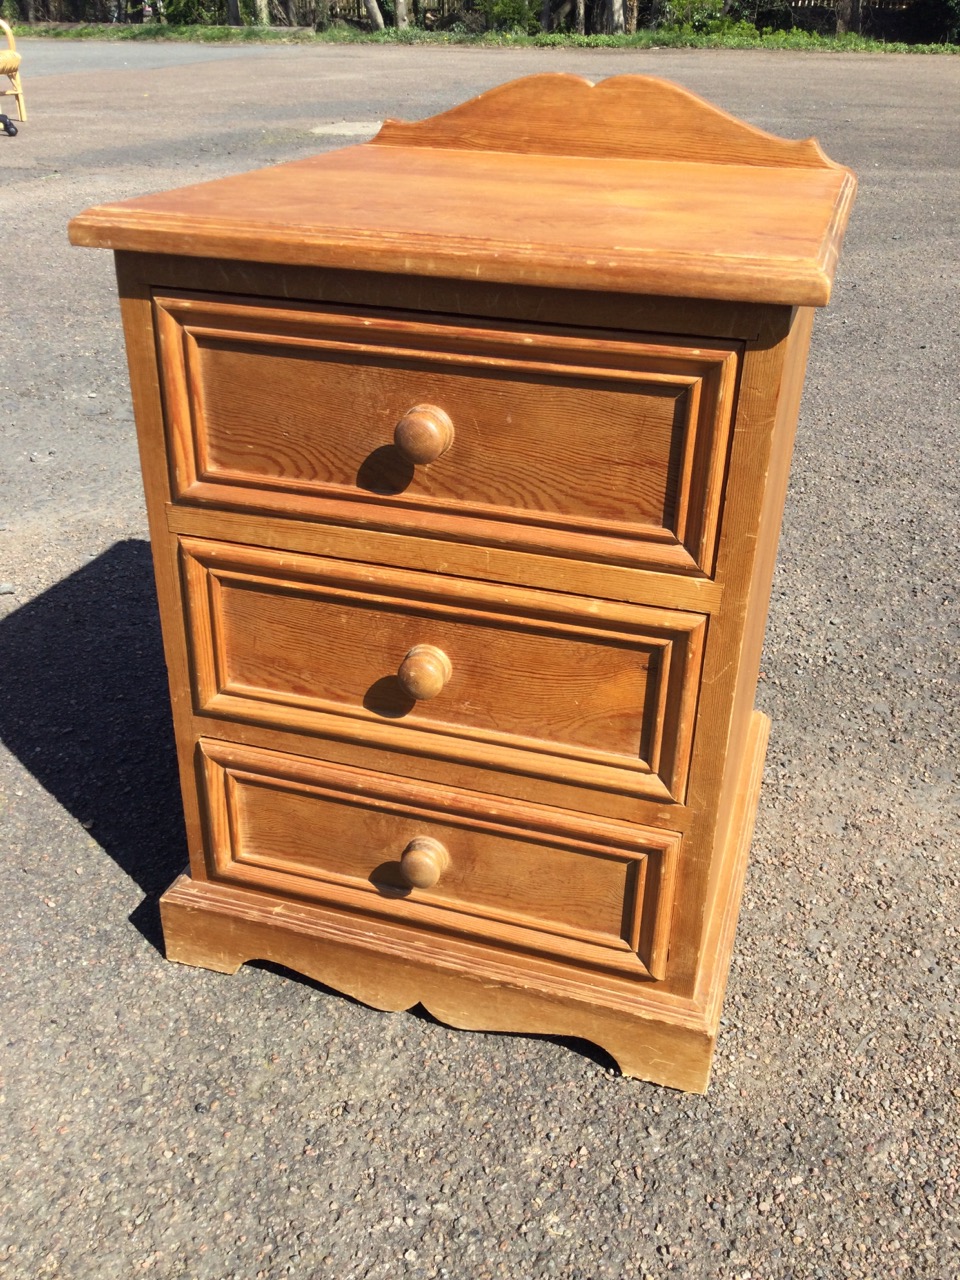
(10, 67)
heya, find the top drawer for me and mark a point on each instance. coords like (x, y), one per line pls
(570, 442)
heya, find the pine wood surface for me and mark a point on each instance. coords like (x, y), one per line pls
(529, 671)
(469, 559)
(662, 1039)
(703, 319)
(463, 585)
(217, 927)
(294, 404)
(601, 891)
(624, 117)
(750, 227)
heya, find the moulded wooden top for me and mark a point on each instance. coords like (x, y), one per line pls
(632, 185)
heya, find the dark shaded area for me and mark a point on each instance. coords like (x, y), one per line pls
(387, 697)
(585, 1048)
(388, 880)
(385, 471)
(84, 705)
(913, 22)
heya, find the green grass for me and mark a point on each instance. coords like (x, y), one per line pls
(736, 36)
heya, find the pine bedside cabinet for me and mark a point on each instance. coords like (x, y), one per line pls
(465, 453)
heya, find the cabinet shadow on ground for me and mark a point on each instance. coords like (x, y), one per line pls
(84, 705)
(583, 1048)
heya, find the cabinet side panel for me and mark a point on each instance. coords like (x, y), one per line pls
(752, 504)
(771, 519)
(751, 648)
(138, 328)
(753, 510)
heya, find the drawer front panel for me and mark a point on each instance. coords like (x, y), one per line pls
(588, 445)
(557, 682)
(518, 875)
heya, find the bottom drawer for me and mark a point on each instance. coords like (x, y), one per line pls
(519, 876)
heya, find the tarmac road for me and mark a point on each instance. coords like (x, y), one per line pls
(171, 1122)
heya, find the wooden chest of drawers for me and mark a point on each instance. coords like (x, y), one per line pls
(465, 453)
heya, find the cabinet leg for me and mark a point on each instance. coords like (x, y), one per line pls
(196, 937)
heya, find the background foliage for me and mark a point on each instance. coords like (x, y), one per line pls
(734, 21)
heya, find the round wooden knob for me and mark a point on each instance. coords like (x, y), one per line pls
(423, 862)
(423, 434)
(424, 672)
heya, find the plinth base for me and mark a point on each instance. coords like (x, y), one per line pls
(467, 985)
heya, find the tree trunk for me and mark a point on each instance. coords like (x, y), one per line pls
(614, 17)
(631, 7)
(262, 9)
(400, 18)
(233, 13)
(289, 8)
(581, 17)
(374, 14)
(848, 17)
(545, 16)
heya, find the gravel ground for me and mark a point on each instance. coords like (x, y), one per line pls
(171, 1122)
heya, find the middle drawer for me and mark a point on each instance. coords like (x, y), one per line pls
(552, 685)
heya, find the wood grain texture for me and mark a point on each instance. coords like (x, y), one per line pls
(139, 337)
(566, 440)
(698, 318)
(766, 453)
(519, 876)
(412, 753)
(624, 117)
(731, 868)
(665, 1041)
(423, 861)
(732, 227)
(435, 555)
(569, 684)
(596, 421)
(721, 727)
(461, 983)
